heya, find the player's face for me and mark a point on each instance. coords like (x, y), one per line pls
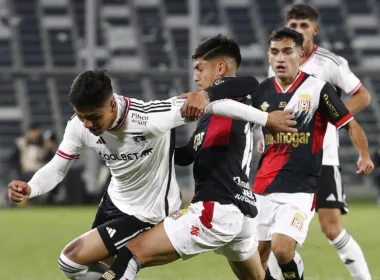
(284, 58)
(207, 71)
(98, 120)
(308, 28)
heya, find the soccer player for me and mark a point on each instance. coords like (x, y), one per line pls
(135, 140)
(331, 203)
(221, 215)
(289, 169)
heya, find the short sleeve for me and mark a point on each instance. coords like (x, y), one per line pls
(333, 108)
(342, 77)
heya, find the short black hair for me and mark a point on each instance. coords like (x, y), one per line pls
(219, 45)
(286, 33)
(301, 11)
(90, 89)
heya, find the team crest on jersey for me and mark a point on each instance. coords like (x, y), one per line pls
(178, 214)
(140, 140)
(298, 221)
(304, 103)
(264, 106)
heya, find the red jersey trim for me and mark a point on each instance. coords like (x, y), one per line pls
(122, 119)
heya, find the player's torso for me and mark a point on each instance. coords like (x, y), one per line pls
(322, 64)
(291, 160)
(223, 154)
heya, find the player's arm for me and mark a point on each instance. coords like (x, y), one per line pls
(343, 78)
(232, 88)
(337, 113)
(50, 175)
(185, 155)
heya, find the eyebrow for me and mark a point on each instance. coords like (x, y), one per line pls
(284, 49)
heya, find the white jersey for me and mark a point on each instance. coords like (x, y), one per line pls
(138, 150)
(333, 69)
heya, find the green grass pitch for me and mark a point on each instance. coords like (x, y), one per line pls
(32, 238)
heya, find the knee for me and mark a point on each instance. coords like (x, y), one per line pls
(330, 228)
(69, 268)
(283, 254)
(71, 250)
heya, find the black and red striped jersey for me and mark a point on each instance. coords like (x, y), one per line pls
(292, 161)
(221, 149)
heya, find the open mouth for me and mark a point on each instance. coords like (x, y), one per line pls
(280, 68)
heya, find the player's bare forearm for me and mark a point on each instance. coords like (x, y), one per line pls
(359, 101)
(358, 138)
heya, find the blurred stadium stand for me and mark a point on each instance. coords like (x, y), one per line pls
(145, 45)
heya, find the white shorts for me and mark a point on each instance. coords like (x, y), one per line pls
(285, 213)
(210, 226)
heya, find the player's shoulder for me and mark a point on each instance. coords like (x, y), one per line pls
(311, 79)
(328, 56)
(153, 106)
(266, 83)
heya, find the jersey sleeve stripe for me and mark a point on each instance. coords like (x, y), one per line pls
(336, 61)
(67, 156)
(343, 121)
(158, 110)
(356, 89)
(330, 54)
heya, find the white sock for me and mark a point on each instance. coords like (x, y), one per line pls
(297, 259)
(76, 271)
(132, 269)
(274, 268)
(351, 255)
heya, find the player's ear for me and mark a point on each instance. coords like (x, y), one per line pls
(113, 105)
(221, 68)
(316, 29)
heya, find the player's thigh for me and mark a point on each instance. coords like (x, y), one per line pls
(86, 249)
(330, 192)
(293, 218)
(153, 247)
(203, 227)
(265, 219)
(248, 269)
(243, 245)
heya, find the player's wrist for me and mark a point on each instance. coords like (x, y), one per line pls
(206, 95)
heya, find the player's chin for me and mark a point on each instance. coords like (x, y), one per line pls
(96, 132)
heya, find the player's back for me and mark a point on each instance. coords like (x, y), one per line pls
(223, 154)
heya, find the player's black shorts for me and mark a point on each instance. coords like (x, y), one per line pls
(330, 193)
(115, 227)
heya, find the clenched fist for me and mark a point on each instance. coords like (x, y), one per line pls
(18, 191)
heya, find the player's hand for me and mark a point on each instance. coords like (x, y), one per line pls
(281, 121)
(18, 191)
(195, 104)
(365, 166)
(260, 146)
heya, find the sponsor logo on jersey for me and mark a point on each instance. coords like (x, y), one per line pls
(126, 157)
(218, 81)
(332, 110)
(178, 214)
(140, 140)
(264, 106)
(139, 119)
(198, 139)
(282, 105)
(304, 103)
(295, 139)
(298, 221)
(241, 183)
(101, 141)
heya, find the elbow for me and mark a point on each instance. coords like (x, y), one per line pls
(365, 96)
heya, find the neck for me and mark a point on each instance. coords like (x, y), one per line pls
(114, 116)
(287, 81)
(307, 50)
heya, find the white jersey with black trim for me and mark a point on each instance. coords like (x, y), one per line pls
(138, 150)
(335, 70)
